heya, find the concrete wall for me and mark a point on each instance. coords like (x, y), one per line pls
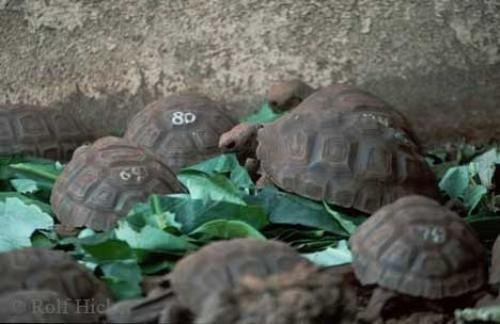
(436, 60)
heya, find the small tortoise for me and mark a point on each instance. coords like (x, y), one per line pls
(495, 264)
(181, 130)
(40, 132)
(216, 267)
(341, 146)
(301, 295)
(43, 269)
(103, 181)
(417, 248)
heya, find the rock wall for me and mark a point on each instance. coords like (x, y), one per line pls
(436, 60)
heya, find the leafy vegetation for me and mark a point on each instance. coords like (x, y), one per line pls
(222, 203)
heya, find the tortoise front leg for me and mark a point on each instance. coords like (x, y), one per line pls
(373, 311)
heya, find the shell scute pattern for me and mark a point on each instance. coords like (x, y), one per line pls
(104, 180)
(182, 129)
(41, 132)
(341, 163)
(221, 265)
(39, 269)
(417, 247)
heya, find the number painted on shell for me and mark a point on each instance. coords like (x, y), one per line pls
(180, 118)
(136, 174)
(434, 234)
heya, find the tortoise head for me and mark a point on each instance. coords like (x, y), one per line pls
(241, 138)
(284, 96)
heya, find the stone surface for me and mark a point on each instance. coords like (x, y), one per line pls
(436, 60)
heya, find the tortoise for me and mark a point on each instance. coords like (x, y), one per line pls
(34, 269)
(301, 295)
(27, 130)
(495, 264)
(216, 267)
(103, 181)
(339, 147)
(181, 130)
(288, 95)
(417, 248)
(43, 306)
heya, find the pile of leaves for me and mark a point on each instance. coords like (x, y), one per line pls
(222, 203)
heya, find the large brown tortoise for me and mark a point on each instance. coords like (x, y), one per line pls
(417, 248)
(103, 181)
(40, 132)
(181, 130)
(343, 146)
(34, 278)
(231, 275)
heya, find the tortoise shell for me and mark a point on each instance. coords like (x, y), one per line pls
(221, 265)
(495, 263)
(301, 295)
(103, 181)
(350, 158)
(43, 269)
(43, 306)
(181, 130)
(40, 132)
(339, 98)
(419, 248)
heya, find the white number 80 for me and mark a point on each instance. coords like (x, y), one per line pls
(180, 118)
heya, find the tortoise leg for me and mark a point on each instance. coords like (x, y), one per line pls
(373, 311)
(175, 313)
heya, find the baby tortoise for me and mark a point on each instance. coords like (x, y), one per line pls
(340, 146)
(305, 295)
(27, 130)
(103, 181)
(182, 129)
(217, 267)
(417, 248)
(34, 277)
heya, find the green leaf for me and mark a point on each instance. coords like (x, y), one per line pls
(123, 278)
(226, 229)
(226, 164)
(473, 195)
(42, 240)
(152, 239)
(109, 250)
(24, 185)
(455, 181)
(486, 165)
(44, 172)
(152, 213)
(488, 314)
(331, 256)
(303, 239)
(264, 115)
(210, 187)
(18, 221)
(344, 221)
(284, 208)
(192, 213)
(156, 267)
(28, 201)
